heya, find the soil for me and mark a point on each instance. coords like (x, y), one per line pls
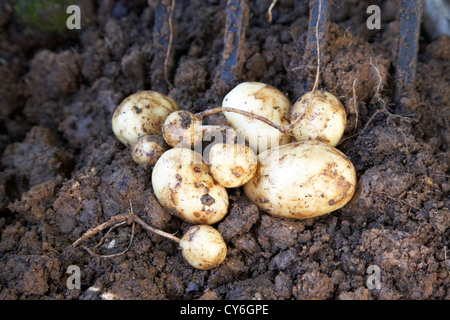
(62, 171)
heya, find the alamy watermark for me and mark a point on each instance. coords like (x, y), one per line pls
(374, 279)
(374, 21)
(74, 20)
(73, 281)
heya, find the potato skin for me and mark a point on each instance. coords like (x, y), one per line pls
(183, 183)
(232, 165)
(148, 148)
(266, 101)
(141, 113)
(302, 180)
(324, 121)
(203, 247)
(182, 129)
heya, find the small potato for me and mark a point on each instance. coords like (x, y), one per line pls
(182, 129)
(183, 183)
(302, 180)
(203, 247)
(232, 165)
(324, 120)
(148, 148)
(141, 113)
(263, 100)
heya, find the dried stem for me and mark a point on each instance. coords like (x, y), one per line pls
(92, 232)
(155, 231)
(120, 219)
(115, 254)
(242, 112)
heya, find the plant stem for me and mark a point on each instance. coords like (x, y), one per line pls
(244, 113)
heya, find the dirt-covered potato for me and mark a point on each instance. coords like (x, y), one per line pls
(232, 164)
(141, 113)
(203, 247)
(324, 118)
(182, 129)
(302, 180)
(148, 148)
(183, 183)
(263, 100)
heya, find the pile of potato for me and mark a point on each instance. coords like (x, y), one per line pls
(301, 179)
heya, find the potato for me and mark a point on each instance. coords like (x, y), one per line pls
(263, 100)
(302, 180)
(232, 164)
(141, 113)
(324, 120)
(182, 129)
(148, 148)
(203, 247)
(183, 183)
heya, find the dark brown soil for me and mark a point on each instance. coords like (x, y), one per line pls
(62, 171)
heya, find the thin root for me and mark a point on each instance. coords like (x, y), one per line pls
(169, 46)
(269, 11)
(355, 104)
(290, 127)
(115, 222)
(92, 253)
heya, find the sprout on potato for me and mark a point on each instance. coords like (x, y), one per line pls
(183, 183)
(148, 149)
(302, 180)
(203, 247)
(141, 113)
(182, 129)
(232, 165)
(323, 118)
(263, 100)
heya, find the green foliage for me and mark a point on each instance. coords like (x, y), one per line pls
(48, 16)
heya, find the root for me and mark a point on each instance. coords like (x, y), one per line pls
(381, 103)
(242, 112)
(114, 222)
(290, 127)
(169, 47)
(92, 253)
(397, 200)
(269, 11)
(355, 104)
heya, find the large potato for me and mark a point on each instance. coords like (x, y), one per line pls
(302, 180)
(183, 183)
(263, 100)
(141, 113)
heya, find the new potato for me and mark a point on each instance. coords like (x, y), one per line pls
(232, 165)
(263, 100)
(148, 148)
(183, 183)
(203, 247)
(302, 180)
(141, 113)
(324, 118)
(182, 129)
